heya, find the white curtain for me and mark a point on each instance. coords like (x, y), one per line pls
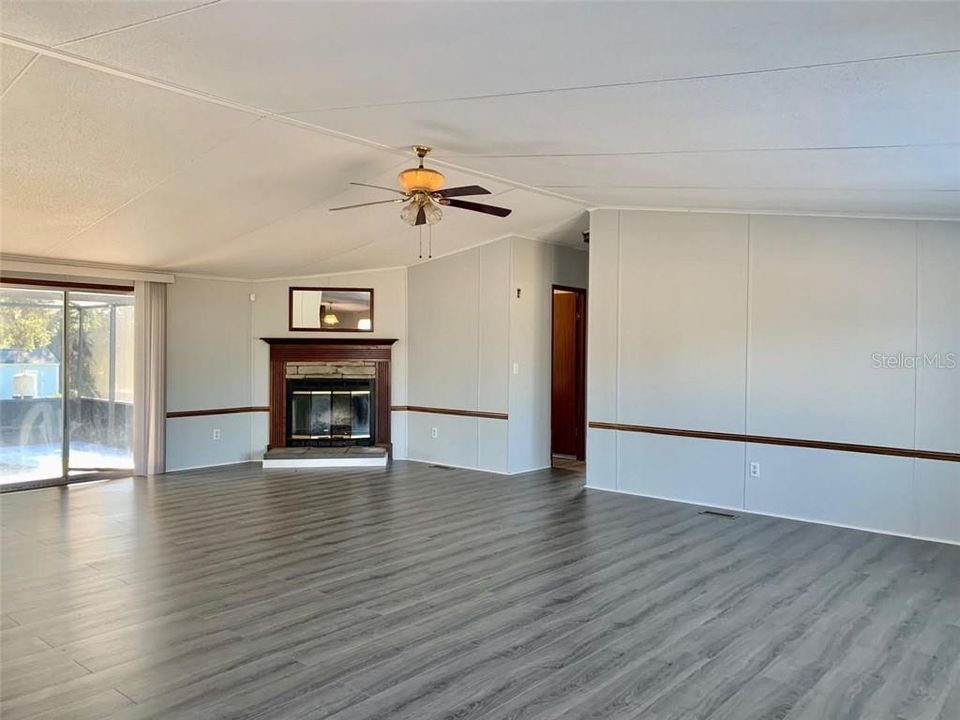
(150, 381)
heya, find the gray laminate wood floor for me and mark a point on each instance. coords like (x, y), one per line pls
(419, 592)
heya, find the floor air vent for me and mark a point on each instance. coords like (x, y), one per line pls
(442, 467)
(717, 513)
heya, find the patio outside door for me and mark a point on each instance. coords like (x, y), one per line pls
(66, 384)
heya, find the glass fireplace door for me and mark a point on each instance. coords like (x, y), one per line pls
(311, 414)
(330, 417)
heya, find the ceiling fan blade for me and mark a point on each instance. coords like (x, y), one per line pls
(477, 207)
(421, 217)
(463, 190)
(379, 187)
(376, 202)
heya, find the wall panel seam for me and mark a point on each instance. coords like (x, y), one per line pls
(509, 368)
(479, 378)
(916, 375)
(746, 359)
(616, 439)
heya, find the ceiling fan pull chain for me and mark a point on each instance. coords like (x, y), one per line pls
(420, 256)
(429, 242)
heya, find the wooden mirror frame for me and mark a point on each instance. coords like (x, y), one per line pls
(300, 288)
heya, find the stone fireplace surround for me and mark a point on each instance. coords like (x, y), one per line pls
(343, 369)
(329, 358)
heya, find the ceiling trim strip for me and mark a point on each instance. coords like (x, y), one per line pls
(788, 213)
(20, 74)
(141, 23)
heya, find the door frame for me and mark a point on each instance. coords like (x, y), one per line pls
(581, 352)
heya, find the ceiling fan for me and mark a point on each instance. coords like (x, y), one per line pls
(423, 195)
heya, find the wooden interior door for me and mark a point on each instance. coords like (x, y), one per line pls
(568, 406)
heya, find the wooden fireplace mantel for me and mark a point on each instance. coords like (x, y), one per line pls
(287, 349)
(329, 341)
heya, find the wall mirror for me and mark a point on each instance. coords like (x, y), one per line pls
(331, 309)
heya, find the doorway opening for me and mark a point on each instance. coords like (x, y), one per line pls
(568, 436)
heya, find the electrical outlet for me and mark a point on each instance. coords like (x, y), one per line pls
(217, 434)
(754, 469)
(433, 433)
(516, 368)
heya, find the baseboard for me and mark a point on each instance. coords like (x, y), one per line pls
(314, 463)
(458, 467)
(206, 467)
(532, 470)
(730, 508)
(476, 469)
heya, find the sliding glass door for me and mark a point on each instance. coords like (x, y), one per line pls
(66, 384)
(31, 384)
(99, 382)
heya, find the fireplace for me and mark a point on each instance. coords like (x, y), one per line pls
(330, 412)
(351, 376)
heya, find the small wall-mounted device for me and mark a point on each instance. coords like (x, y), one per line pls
(518, 293)
(586, 236)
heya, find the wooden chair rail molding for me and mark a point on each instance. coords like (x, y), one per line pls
(217, 411)
(450, 411)
(790, 442)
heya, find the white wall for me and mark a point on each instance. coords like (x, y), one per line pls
(535, 268)
(216, 359)
(468, 329)
(208, 366)
(458, 330)
(767, 325)
(270, 318)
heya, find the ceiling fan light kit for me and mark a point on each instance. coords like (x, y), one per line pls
(423, 194)
(419, 211)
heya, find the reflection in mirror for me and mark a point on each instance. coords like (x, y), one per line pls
(331, 309)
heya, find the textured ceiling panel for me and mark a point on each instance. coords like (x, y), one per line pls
(906, 168)
(76, 144)
(306, 55)
(808, 107)
(316, 240)
(904, 101)
(12, 62)
(58, 21)
(258, 176)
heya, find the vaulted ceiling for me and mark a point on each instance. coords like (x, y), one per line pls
(213, 137)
